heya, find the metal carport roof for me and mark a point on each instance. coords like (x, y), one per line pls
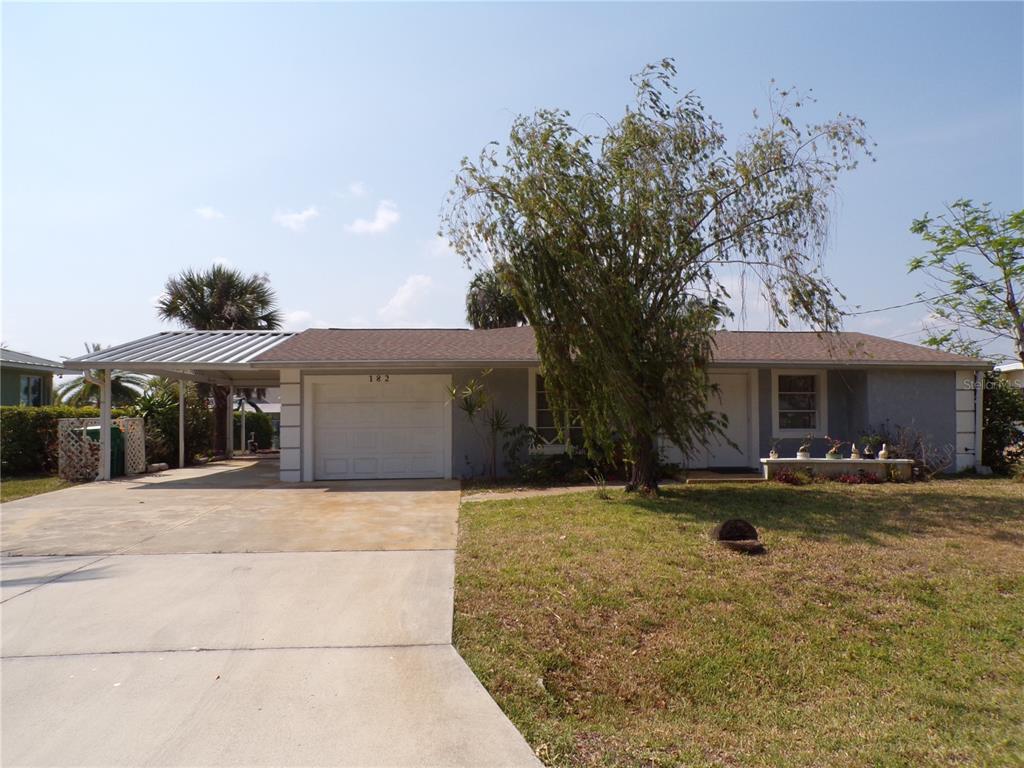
(215, 356)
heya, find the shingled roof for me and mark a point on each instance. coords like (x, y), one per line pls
(508, 346)
(848, 347)
(320, 346)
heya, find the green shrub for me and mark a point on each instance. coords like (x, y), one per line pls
(28, 436)
(258, 423)
(158, 407)
(1002, 438)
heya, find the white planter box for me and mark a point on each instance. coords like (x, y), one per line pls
(881, 468)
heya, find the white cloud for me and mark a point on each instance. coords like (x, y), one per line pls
(209, 213)
(220, 261)
(357, 189)
(402, 307)
(384, 218)
(300, 320)
(440, 248)
(296, 222)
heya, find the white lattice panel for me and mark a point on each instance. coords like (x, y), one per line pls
(78, 457)
(134, 444)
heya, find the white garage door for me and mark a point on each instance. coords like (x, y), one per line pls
(735, 402)
(380, 426)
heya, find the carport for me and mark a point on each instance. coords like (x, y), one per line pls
(220, 358)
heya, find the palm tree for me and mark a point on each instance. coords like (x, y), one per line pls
(220, 299)
(489, 303)
(124, 387)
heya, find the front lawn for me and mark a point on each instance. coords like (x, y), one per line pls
(884, 626)
(12, 488)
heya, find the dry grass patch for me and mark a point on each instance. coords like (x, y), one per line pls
(12, 488)
(883, 627)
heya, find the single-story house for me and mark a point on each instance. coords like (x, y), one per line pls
(26, 379)
(374, 403)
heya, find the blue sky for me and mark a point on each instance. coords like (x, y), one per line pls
(317, 142)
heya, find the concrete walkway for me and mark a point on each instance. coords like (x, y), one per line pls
(213, 617)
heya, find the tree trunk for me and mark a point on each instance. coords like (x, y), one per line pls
(220, 415)
(644, 476)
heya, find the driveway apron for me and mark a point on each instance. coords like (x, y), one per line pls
(216, 617)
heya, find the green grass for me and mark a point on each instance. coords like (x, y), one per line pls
(12, 488)
(884, 626)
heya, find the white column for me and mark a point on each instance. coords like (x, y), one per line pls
(291, 437)
(229, 438)
(181, 423)
(245, 438)
(104, 471)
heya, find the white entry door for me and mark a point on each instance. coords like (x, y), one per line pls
(734, 403)
(735, 399)
(380, 426)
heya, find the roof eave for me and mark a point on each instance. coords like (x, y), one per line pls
(972, 365)
(38, 367)
(361, 364)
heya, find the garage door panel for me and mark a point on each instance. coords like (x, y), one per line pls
(395, 428)
(335, 466)
(411, 465)
(347, 415)
(408, 440)
(413, 415)
(344, 441)
(366, 466)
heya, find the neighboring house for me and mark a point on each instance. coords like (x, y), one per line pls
(26, 379)
(1012, 372)
(375, 404)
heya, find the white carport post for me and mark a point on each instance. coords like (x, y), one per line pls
(181, 423)
(105, 393)
(245, 441)
(229, 438)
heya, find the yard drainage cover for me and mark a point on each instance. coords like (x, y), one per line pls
(738, 535)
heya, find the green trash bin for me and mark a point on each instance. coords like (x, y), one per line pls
(116, 448)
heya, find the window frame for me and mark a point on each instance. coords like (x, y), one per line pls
(548, 447)
(21, 390)
(820, 402)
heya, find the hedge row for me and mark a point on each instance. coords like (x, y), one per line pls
(28, 436)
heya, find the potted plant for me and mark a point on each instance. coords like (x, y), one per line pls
(854, 451)
(773, 453)
(834, 446)
(871, 444)
(804, 451)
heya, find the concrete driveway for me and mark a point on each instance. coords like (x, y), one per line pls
(215, 617)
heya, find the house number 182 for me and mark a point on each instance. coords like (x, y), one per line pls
(380, 378)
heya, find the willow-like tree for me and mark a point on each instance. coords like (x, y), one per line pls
(490, 304)
(616, 248)
(220, 299)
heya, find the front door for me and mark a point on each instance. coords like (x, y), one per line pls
(733, 400)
